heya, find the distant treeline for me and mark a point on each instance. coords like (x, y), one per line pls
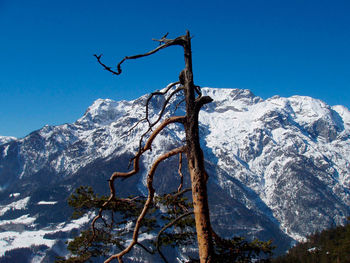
(328, 246)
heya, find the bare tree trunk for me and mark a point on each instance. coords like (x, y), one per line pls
(192, 149)
(195, 159)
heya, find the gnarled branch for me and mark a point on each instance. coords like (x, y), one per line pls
(147, 203)
(147, 105)
(136, 166)
(160, 114)
(180, 41)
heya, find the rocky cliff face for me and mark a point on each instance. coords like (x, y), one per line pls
(279, 168)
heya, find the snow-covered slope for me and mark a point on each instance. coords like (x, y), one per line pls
(279, 168)
(6, 139)
(293, 152)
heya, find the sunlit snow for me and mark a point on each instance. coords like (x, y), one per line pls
(10, 239)
(47, 202)
(18, 205)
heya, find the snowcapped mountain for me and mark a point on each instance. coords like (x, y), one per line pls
(6, 139)
(278, 168)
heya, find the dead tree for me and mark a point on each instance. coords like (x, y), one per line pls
(193, 100)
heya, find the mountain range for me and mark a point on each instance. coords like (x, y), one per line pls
(278, 168)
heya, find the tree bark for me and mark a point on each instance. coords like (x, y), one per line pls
(195, 160)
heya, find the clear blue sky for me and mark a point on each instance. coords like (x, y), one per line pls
(48, 74)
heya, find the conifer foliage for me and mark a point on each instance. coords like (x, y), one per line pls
(329, 246)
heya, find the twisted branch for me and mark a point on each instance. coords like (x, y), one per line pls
(136, 167)
(165, 103)
(147, 205)
(180, 41)
(160, 114)
(147, 105)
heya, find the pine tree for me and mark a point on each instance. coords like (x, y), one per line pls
(109, 228)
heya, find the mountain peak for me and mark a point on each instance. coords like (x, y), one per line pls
(102, 112)
(6, 139)
(221, 94)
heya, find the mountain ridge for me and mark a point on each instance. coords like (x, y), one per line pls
(6, 139)
(280, 165)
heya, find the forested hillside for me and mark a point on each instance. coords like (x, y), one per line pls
(331, 245)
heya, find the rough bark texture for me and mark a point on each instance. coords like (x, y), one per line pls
(195, 161)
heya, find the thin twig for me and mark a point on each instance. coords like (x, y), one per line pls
(147, 105)
(165, 228)
(160, 115)
(178, 105)
(145, 248)
(180, 173)
(182, 192)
